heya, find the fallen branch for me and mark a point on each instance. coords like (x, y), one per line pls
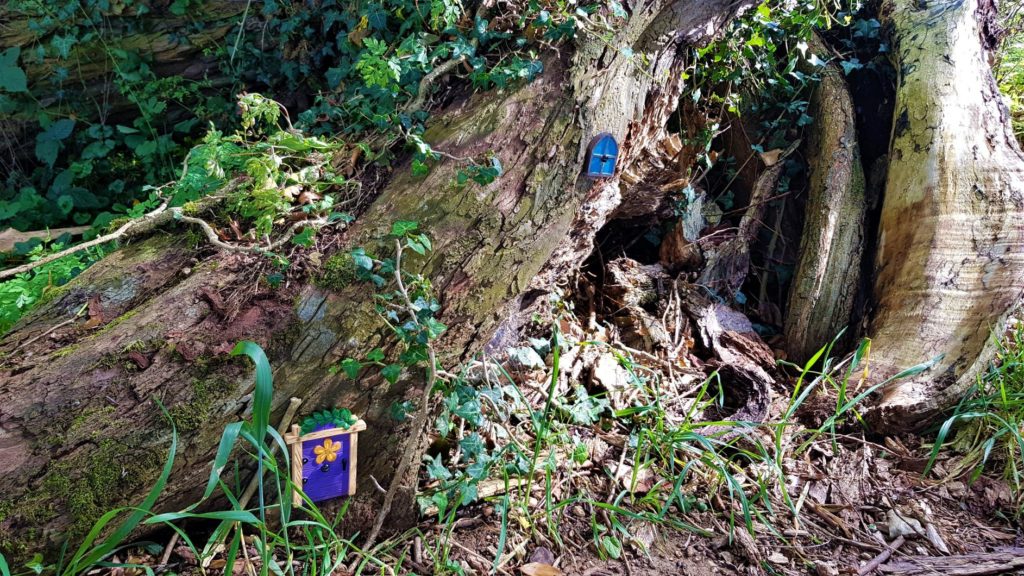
(882, 557)
(428, 80)
(10, 237)
(1001, 561)
(149, 221)
(211, 234)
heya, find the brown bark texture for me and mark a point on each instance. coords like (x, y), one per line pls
(827, 277)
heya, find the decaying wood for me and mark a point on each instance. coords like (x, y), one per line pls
(827, 277)
(745, 363)
(1002, 561)
(70, 398)
(728, 264)
(950, 258)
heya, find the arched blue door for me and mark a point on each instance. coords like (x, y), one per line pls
(603, 154)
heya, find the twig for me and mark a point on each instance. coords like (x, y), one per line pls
(158, 217)
(211, 235)
(286, 421)
(428, 79)
(476, 555)
(169, 549)
(881, 558)
(44, 334)
(154, 218)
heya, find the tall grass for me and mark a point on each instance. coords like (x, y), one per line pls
(986, 426)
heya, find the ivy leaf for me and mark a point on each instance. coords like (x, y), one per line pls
(304, 238)
(361, 260)
(472, 446)
(436, 470)
(851, 65)
(12, 77)
(391, 372)
(403, 227)
(375, 355)
(351, 366)
(400, 410)
(48, 141)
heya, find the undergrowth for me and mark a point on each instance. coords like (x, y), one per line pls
(986, 428)
(664, 462)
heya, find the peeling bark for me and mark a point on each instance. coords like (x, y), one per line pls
(950, 259)
(527, 230)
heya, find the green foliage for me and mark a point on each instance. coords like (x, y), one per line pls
(19, 294)
(987, 426)
(335, 417)
(409, 309)
(360, 64)
(755, 69)
(1009, 65)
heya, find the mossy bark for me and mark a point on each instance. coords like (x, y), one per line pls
(526, 230)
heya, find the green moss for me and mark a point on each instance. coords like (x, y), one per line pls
(339, 271)
(117, 223)
(190, 416)
(117, 321)
(93, 482)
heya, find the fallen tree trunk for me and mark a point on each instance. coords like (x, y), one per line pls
(78, 429)
(169, 44)
(950, 258)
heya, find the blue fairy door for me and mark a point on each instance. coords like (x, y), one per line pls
(602, 155)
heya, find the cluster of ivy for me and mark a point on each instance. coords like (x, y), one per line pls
(335, 417)
(345, 69)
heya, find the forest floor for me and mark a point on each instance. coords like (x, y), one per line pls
(640, 468)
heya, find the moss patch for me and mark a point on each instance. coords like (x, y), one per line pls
(339, 271)
(190, 416)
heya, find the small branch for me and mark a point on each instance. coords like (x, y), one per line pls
(64, 323)
(881, 558)
(155, 217)
(427, 80)
(158, 217)
(211, 234)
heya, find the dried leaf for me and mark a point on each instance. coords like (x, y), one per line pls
(539, 569)
(771, 157)
(95, 313)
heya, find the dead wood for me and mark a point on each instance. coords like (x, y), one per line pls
(1002, 561)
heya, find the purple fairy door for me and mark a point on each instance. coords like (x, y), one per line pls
(324, 465)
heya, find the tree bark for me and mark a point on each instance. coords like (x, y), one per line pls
(78, 429)
(950, 258)
(826, 279)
